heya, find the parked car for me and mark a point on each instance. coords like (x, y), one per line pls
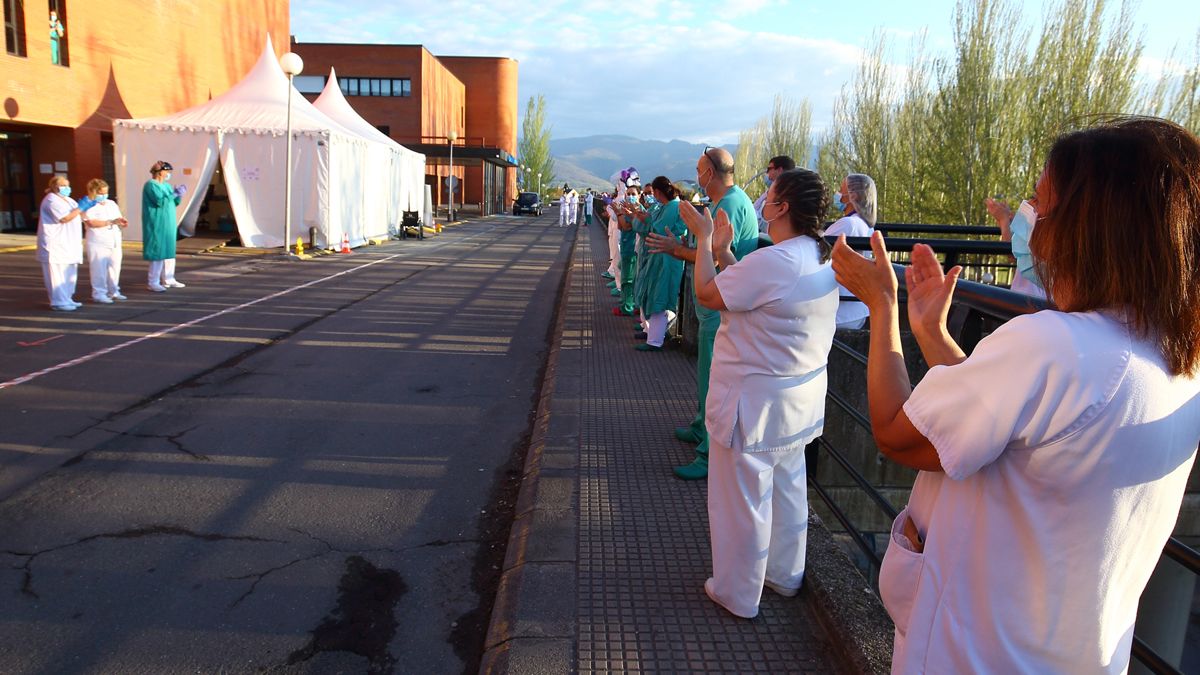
(527, 202)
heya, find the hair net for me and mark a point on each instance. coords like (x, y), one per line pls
(860, 193)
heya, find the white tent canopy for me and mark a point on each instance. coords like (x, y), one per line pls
(245, 129)
(392, 164)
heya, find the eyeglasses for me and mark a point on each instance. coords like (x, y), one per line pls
(712, 161)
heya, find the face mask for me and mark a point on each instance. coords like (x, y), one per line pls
(702, 180)
(64, 190)
(167, 176)
(1022, 228)
(101, 197)
(837, 202)
(767, 179)
(651, 200)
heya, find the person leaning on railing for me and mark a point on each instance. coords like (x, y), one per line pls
(766, 391)
(1053, 459)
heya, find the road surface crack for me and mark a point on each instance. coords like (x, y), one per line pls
(131, 533)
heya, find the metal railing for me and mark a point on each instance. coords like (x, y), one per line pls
(980, 308)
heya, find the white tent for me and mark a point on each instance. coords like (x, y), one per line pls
(395, 170)
(244, 129)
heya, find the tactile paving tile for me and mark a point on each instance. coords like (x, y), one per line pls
(643, 534)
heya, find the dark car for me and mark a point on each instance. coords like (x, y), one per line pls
(527, 202)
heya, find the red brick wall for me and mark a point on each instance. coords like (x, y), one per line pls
(128, 58)
(491, 111)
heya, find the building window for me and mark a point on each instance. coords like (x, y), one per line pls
(14, 27)
(57, 29)
(375, 86)
(309, 84)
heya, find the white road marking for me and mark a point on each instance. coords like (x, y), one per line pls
(188, 324)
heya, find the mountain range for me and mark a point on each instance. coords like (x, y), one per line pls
(589, 161)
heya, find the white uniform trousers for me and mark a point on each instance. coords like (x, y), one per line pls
(758, 523)
(564, 216)
(104, 268)
(162, 272)
(614, 250)
(60, 283)
(656, 328)
(573, 215)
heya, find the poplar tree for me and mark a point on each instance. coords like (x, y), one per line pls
(534, 145)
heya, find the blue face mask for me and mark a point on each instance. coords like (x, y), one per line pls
(837, 202)
(64, 190)
(767, 180)
(101, 197)
(651, 200)
(1022, 228)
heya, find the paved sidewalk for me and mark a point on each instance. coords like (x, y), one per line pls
(606, 566)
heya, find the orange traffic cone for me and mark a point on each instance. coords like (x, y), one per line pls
(345, 244)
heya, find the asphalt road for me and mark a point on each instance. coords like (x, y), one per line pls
(317, 481)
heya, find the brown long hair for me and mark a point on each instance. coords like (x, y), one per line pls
(664, 185)
(807, 200)
(1123, 230)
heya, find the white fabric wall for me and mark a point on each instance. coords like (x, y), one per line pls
(193, 151)
(254, 177)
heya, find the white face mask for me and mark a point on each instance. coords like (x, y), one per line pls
(167, 176)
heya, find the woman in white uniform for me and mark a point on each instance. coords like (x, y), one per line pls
(1053, 459)
(766, 396)
(104, 223)
(60, 244)
(857, 199)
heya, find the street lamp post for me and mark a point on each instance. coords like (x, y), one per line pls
(452, 136)
(293, 65)
(539, 186)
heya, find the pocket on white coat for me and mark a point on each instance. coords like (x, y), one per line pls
(899, 575)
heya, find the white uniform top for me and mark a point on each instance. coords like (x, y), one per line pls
(104, 236)
(1067, 447)
(588, 205)
(768, 373)
(59, 243)
(851, 226)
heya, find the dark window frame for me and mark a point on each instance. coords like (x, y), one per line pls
(398, 87)
(14, 28)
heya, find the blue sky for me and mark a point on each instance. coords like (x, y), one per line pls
(665, 69)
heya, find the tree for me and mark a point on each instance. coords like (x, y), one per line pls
(786, 130)
(534, 146)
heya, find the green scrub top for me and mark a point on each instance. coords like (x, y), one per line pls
(158, 221)
(740, 210)
(657, 287)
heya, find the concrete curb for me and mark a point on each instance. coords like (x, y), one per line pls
(845, 605)
(533, 623)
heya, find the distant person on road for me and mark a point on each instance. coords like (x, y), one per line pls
(564, 206)
(775, 166)
(103, 222)
(766, 392)
(1053, 460)
(60, 244)
(714, 174)
(857, 199)
(159, 226)
(573, 212)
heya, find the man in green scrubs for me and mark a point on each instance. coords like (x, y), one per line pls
(714, 173)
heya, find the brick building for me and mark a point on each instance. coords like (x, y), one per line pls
(114, 59)
(418, 99)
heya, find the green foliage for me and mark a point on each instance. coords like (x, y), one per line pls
(940, 135)
(534, 146)
(785, 131)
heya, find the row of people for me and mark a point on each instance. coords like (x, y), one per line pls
(64, 224)
(1052, 460)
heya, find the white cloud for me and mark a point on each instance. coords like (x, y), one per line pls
(661, 69)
